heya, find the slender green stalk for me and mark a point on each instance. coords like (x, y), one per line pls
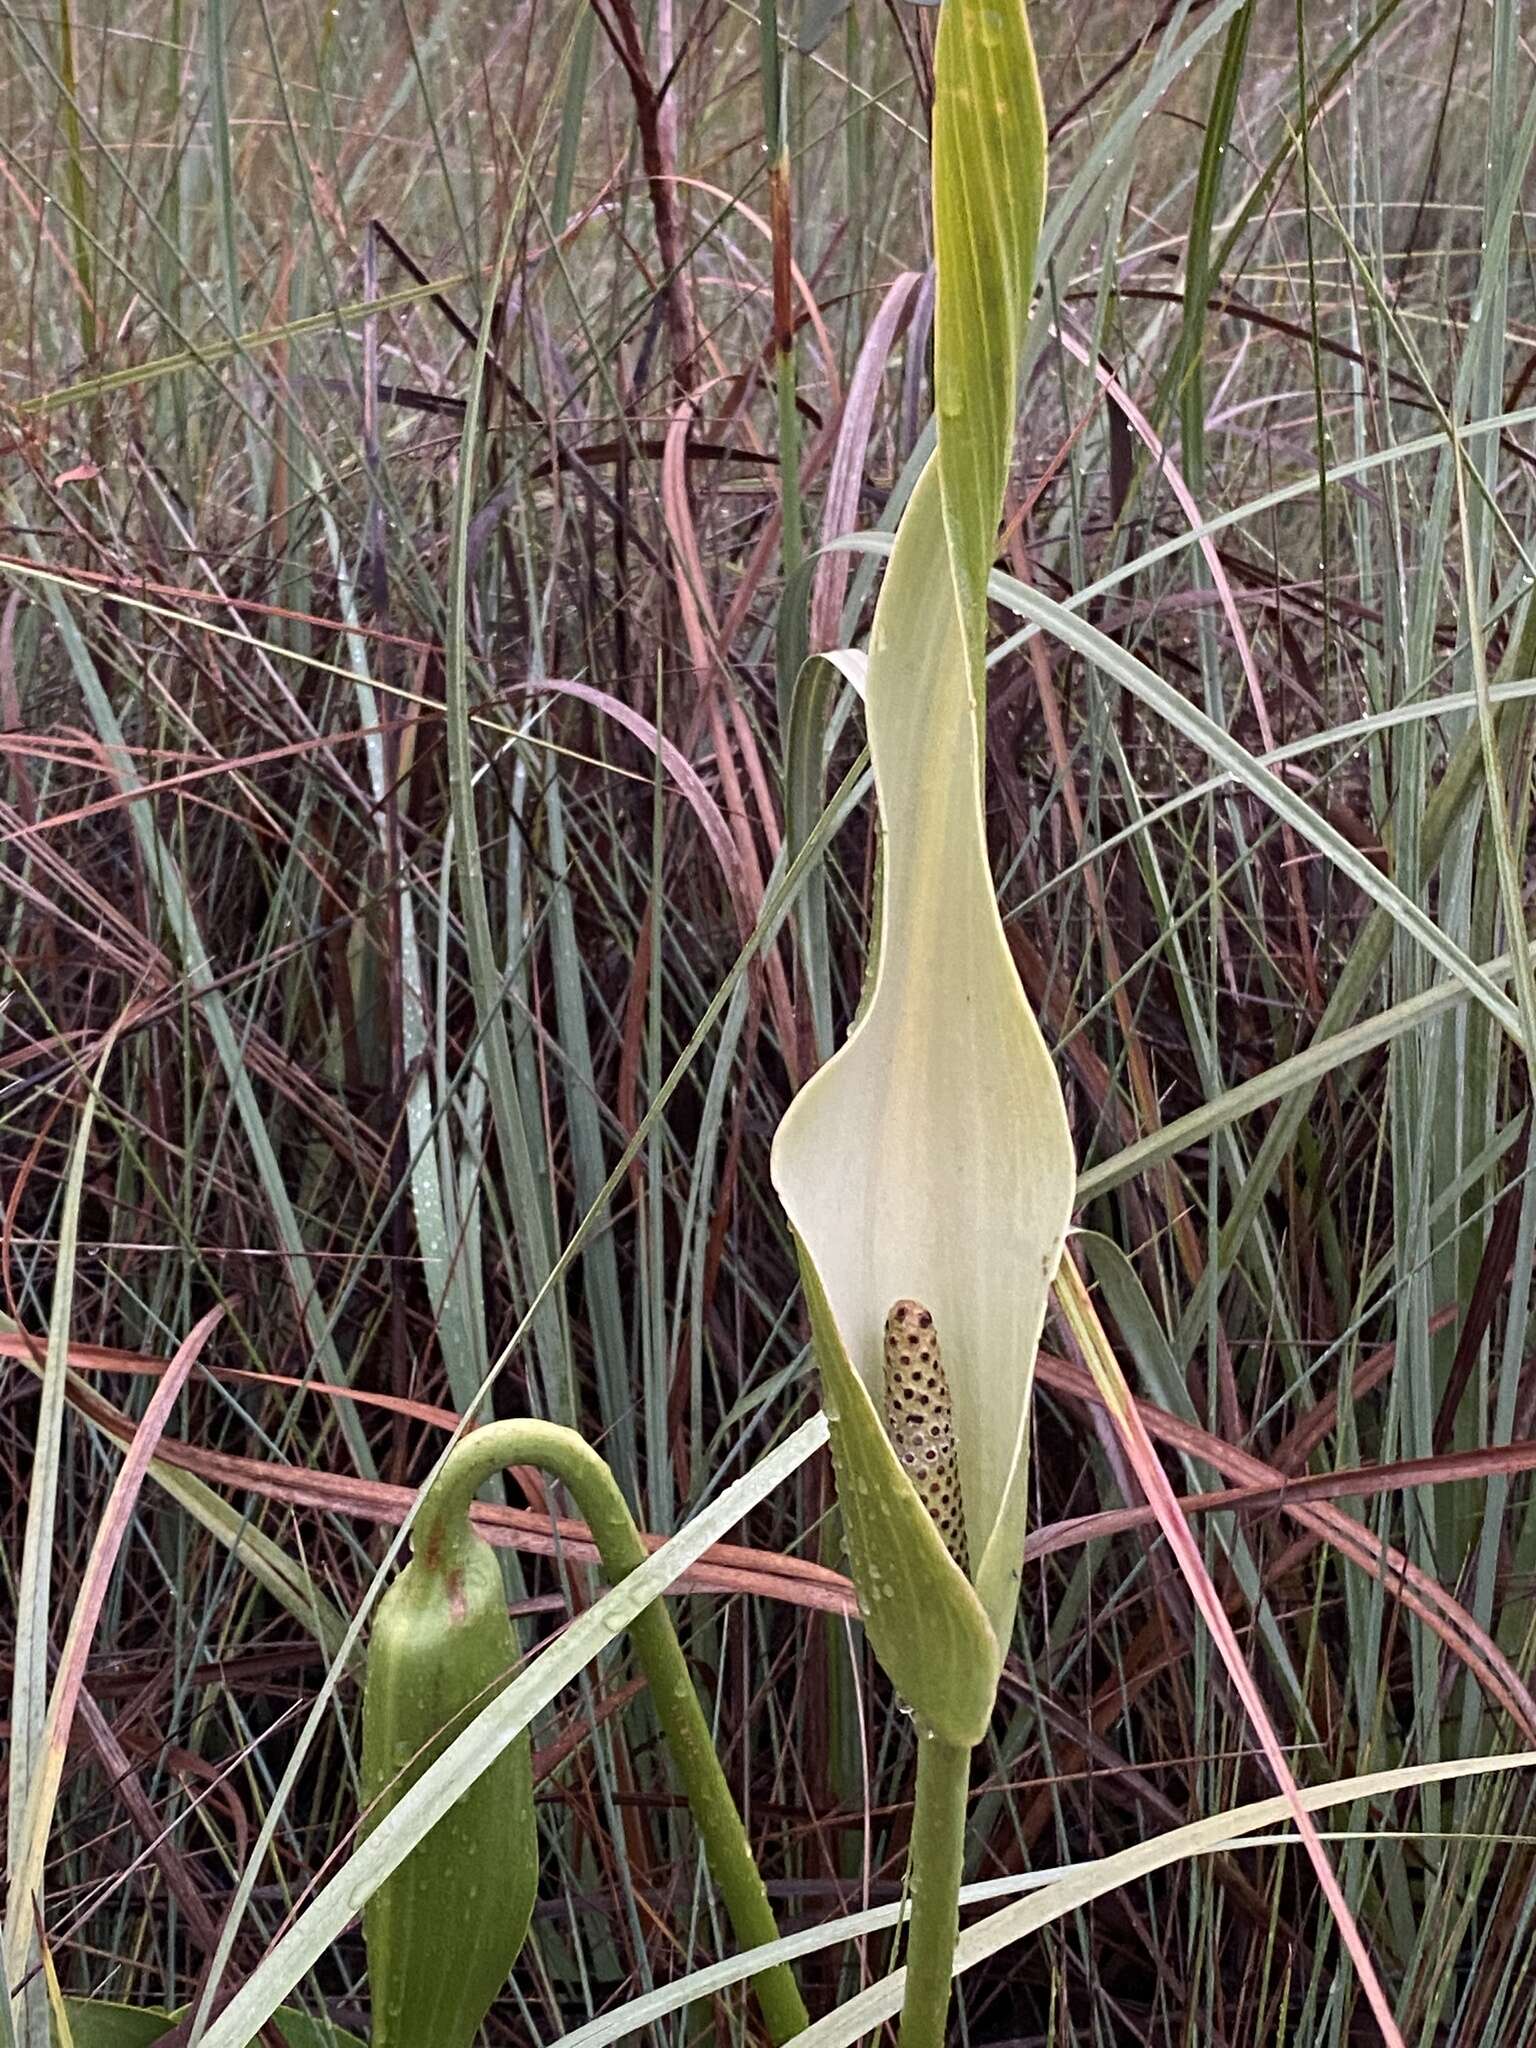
(781, 225)
(593, 1488)
(79, 192)
(938, 1849)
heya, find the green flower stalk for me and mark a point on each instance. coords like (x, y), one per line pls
(927, 1170)
(445, 1929)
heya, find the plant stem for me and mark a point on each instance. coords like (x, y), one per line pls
(563, 1454)
(938, 1847)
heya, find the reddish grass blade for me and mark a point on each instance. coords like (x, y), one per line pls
(111, 1531)
(1082, 1318)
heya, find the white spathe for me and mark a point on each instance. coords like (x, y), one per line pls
(931, 1157)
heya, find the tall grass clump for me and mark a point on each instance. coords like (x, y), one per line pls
(523, 531)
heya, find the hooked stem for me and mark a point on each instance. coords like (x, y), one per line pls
(936, 1857)
(441, 1527)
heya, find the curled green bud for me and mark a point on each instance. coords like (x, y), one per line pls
(445, 1929)
(920, 1422)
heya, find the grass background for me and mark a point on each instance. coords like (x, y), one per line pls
(403, 916)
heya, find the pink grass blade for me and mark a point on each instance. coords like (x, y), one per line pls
(1082, 1318)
